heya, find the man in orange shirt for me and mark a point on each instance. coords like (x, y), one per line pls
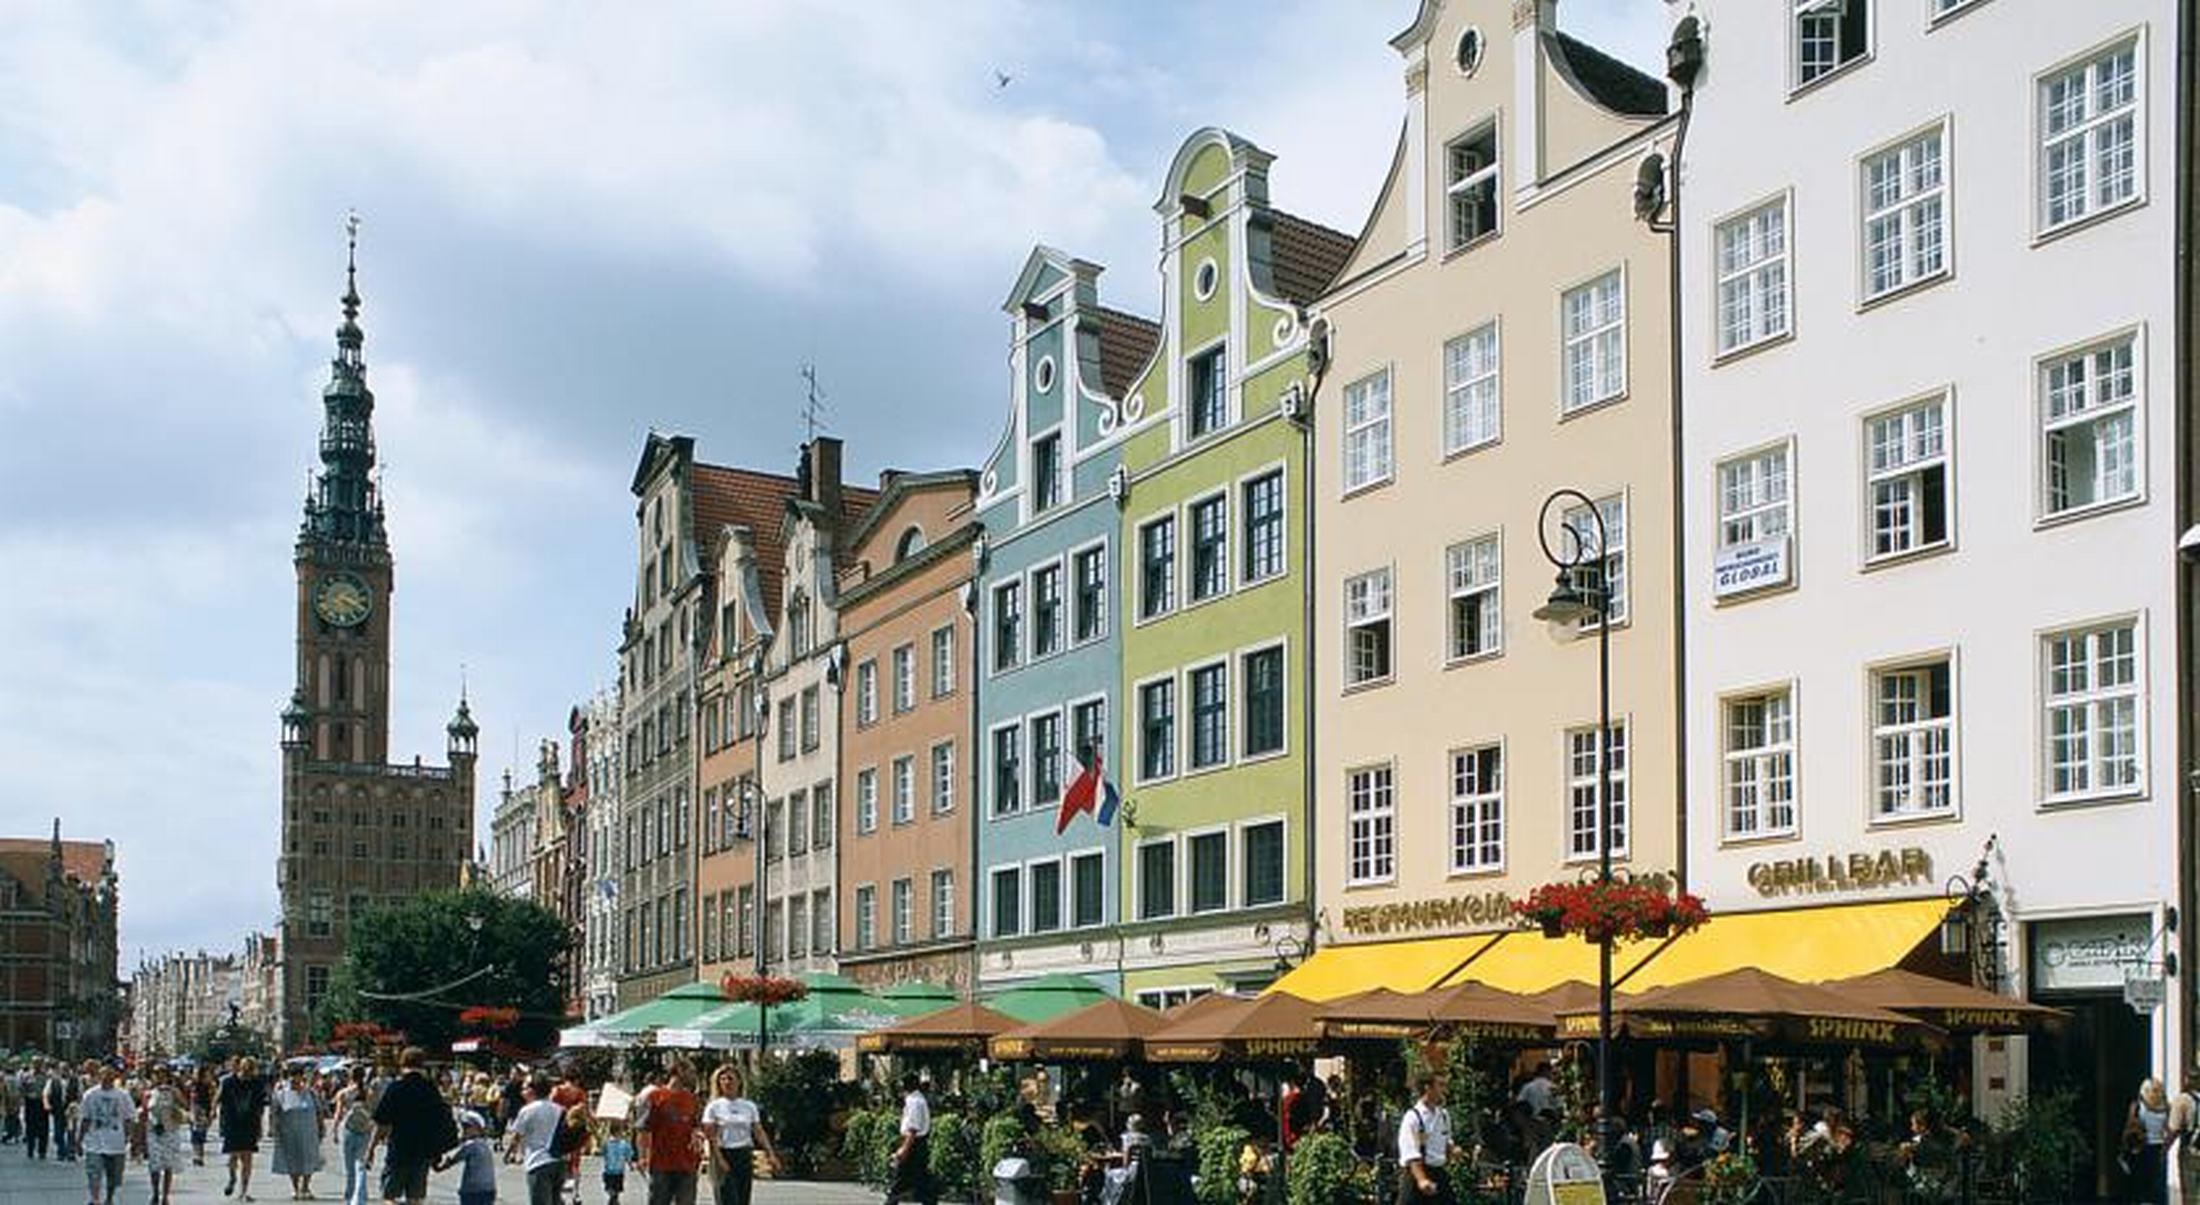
(567, 1094)
(671, 1139)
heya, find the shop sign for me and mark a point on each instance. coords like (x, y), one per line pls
(1444, 912)
(1889, 868)
(1741, 568)
(2094, 953)
(2144, 994)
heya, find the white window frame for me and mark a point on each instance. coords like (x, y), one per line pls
(1938, 12)
(1187, 709)
(943, 902)
(1189, 549)
(1613, 558)
(1241, 682)
(998, 661)
(905, 677)
(1071, 862)
(1758, 782)
(1467, 584)
(1242, 861)
(1219, 350)
(1369, 456)
(943, 661)
(902, 911)
(2091, 702)
(1907, 211)
(1032, 761)
(1580, 777)
(1176, 878)
(1031, 895)
(1488, 177)
(1050, 490)
(1176, 727)
(866, 916)
(1075, 560)
(1802, 10)
(2086, 132)
(867, 799)
(1916, 459)
(1593, 338)
(1188, 873)
(1057, 568)
(1913, 733)
(993, 770)
(867, 692)
(1755, 295)
(993, 899)
(1473, 414)
(943, 776)
(1150, 609)
(904, 780)
(2090, 409)
(1242, 515)
(1372, 824)
(1376, 605)
(1474, 807)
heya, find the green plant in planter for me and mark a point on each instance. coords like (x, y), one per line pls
(1002, 1135)
(954, 1156)
(2037, 1145)
(1061, 1153)
(867, 1142)
(1322, 1171)
(800, 1093)
(1218, 1163)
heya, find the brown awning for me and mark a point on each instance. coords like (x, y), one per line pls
(1276, 1025)
(1756, 1005)
(1954, 1007)
(1571, 996)
(1111, 1029)
(959, 1027)
(1468, 1010)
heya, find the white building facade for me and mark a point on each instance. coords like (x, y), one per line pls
(1931, 488)
(604, 774)
(513, 836)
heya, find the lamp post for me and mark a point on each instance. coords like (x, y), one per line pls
(1583, 592)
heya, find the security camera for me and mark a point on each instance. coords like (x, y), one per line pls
(2188, 545)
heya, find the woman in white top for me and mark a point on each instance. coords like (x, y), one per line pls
(163, 1116)
(736, 1129)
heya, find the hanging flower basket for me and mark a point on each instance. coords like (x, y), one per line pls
(483, 1016)
(1620, 909)
(763, 990)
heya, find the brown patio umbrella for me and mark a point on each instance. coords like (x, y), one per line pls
(1111, 1029)
(1467, 1010)
(1569, 997)
(1199, 1006)
(957, 1028)
(1276, 1025)
(1954, 1007)
(1751, 1004)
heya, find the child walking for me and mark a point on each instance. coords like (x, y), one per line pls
(477, 1177)
(617, 1153)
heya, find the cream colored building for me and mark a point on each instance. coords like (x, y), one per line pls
(1500, 332)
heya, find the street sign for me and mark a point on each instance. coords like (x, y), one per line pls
(1564, 1174)
(2144, 994)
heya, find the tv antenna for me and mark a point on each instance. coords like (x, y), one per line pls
(813, 404)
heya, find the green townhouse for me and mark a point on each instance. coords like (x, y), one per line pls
(1215, 539)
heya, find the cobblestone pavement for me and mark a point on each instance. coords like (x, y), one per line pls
(25, 1182)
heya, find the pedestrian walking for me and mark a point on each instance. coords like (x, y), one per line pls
(103, 1134)
(299, 1128)
(202, 1113)
(1424, 1147)
(355, 1123)
(913, 1157)
(35, 1125)
(2146, 1143)
(477, 1176)
(671, 1129)
(617, 1153)
(736, 1128)
(163, 1115)
(412, 1118)
(240, 1108)
(532, 1137)
(62, 1093)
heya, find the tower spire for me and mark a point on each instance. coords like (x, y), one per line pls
(344, 508)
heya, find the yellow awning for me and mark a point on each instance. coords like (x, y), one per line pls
(1809, 945)
(1528, 962)
(1401, 966)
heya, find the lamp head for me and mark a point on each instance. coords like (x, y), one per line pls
(1574, 600)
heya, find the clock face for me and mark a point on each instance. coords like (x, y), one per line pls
(343, 600)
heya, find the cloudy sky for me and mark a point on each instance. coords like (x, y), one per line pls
(578, 226)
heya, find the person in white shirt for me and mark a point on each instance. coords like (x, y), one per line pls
(1540, 1094)
(1424, 1146)
(736, 1129)
(102, 1133)
(533, 1133)
(913, 1158)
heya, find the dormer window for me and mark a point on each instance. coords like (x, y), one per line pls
(1046, 472)
(910, 544)
(1470, 186)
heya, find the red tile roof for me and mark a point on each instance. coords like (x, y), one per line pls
(85, 861)
(1304, 256)
(723, 497)
(1126, 345)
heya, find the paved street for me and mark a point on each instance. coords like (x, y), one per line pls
(23, 1182)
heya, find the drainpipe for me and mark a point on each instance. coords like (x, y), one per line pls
(974, 759)
(1317, 368)
(1684, 60)
(2188, 778)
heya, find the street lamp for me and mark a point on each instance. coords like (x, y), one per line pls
(1583, 594)
(1972, 928)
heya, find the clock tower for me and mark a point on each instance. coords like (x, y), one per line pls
(358, 832)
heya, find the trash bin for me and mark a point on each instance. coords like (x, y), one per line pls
(1016, 1182)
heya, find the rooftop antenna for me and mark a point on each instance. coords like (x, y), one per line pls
(813, 404)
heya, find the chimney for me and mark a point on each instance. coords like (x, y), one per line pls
(1532, 21)
(823, 459)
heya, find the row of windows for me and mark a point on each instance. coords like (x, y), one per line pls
(1031, 760)
(1208, 740)
(902, 787)
(655, 933)
(1084, 609)
(1182, 874)
(1206, 571)
(903, 662)
(1035, 898)
(397, 849)
(729, 920)
(800, 925)
(901, 916)
(656, 832)
(800, 822)
(657, 734)
(809, 718)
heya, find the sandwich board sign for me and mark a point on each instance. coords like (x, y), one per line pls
(1564, 1174)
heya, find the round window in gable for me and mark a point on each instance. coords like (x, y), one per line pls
(1469, 55)
(1042, 378)
(1204, 279)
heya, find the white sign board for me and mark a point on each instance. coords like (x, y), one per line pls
(2144, 994)
(1740, 568)
(1564, 1174)
(2092, 953)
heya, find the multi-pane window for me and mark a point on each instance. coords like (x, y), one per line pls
(1156, 879)
(1046, 758)
(1753, 497)
(821, 809)
(1008, 625)
(1477, 809)
(1209, 854)
(1210, 690)
(943, 661)
(1210, 526)
(2089, 136)
(1046, 472)
(1760, 764)
(943, 777)
(809, 718)
(1471, 410)
(1262, 672)
(905, 789)
(1905, 213)
(1371, 832)
(1157, 567)
(1206, 378)
(904, 911)
(1046, 610)
(1470, 185)
(1008, 900)
(1594, 353)
(821, 922)
(1908, 478)
(866, 917)
(320, 914)
(798, 823)
(1913, 740)
(786, 730)
(1157, 729)
(1367, 627)
(1089, 606)
(1261, 863)
(2092, 721)
(2089, 415)
(905, 678)
(1008, 771)
(943, 904)
(1609, 562)
(1088, 890)
(1088, 730)
(1752, 263)
(1829, 35)
(1473, 575)
(798, 926)
(745, 922)
(867, 800)
(1261, 503)
(1581, 791)
(1046, 896)
(867, 694)
(1367, 431)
